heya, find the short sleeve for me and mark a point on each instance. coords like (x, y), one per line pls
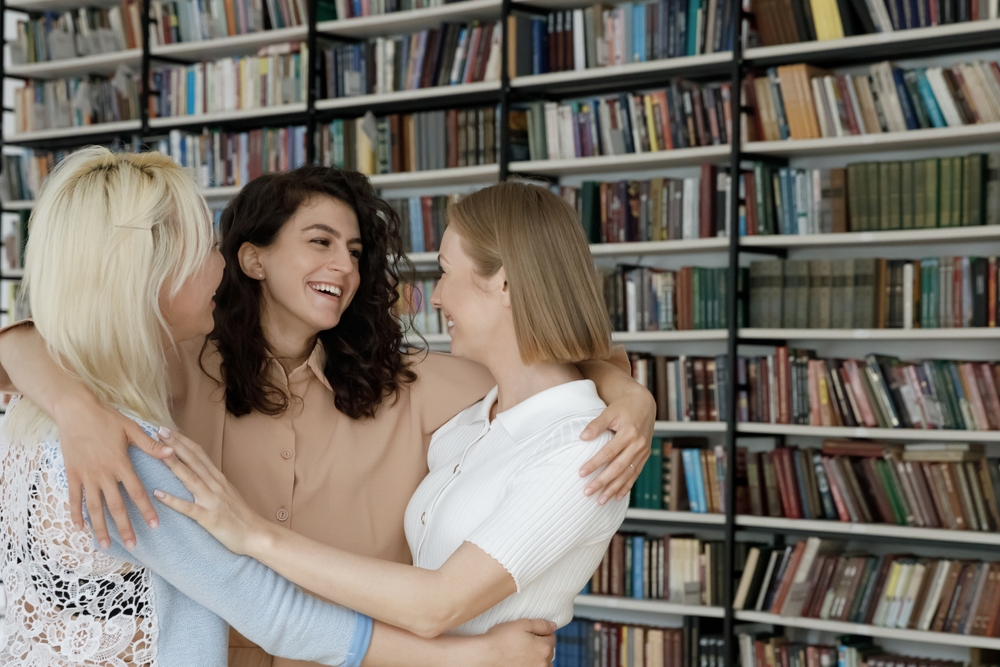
(544, 513)
(445, 386)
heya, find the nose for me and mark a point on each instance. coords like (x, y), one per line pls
(341, 260)
(436, 295)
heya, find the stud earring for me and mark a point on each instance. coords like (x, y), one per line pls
(260, 275)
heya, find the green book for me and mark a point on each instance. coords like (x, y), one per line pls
(973, 192)
(655, 465)
(957, 180)
(857, 206)
(932, 192)
(882, 468)
(944, 194)
(721, 292)
(907, 196)
(885, 201)
(920, 194)
(590, 200)
(874, 195)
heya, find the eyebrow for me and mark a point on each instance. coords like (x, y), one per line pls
(330, 230)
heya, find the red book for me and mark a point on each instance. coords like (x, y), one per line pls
(783, 385)
(991, 292)
(706, 223)
(430, 241)
(786, 581)
(750, 185)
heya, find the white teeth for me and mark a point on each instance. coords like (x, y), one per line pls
(329, 289)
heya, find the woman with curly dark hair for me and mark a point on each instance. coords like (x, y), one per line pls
(303, 395)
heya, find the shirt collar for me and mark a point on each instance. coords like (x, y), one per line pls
(535, 413)
(315, 364)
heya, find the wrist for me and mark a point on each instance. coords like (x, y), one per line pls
(70, 402)
(262, 536)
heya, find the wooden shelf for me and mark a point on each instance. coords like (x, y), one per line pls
(80, 131)
(667, 516)
(894, 237)
(394, 23)
(664, 427)
(842, 628)
(223, 47)
(669, 336)
(603, 164)
(227, 116)
(102, 63)
(965, 135)
(484, 173)
(364, 102)
(650, 606)
(970, 333)
(906, 434)
(874, 529)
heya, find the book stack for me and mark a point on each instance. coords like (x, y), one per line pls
(414, 307)
(793, 387)
(640, 298)
(422, 221)
(686, 388)
(585, 643)
(681, 116)
(764, 650)
(411, 142)
(82, 32)
(450, 55)
(680, 570)
(816, 579)
(631, 32)
(277, 75)
(216, 159)
(874, 293)
(75, 102)
(805, 102)
(190, 21)
(789, 21)
(927, 485)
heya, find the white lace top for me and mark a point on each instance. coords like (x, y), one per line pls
(166, 603)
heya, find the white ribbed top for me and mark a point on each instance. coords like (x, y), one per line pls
(512, 487)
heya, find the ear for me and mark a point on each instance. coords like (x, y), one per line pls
(503, 286)
(250, 261)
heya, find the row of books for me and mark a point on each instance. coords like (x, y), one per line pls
(82, 32)
(216, 158)
(631, 32)
(874, 293)
(415, 309)
(640, 298)
(14, 235)
(681, 116)
(75, 102)
(805, 102)
(817, 579)
(411, 142)
(422, 221)
(792, 386)
(330, 10)
(276, 76)
(686, 388)
(584, 643)
(177, 21)
(790, 21)
(23, 172)
(450, 55)
(924, 485)
(765, 650)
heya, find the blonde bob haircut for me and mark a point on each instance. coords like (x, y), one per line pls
(109, 232)
(558, 310)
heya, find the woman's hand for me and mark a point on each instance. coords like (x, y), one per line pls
(631, 417)
(95, 439)
(217, 505)
(528, 642)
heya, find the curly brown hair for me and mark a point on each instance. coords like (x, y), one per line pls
(364, 363)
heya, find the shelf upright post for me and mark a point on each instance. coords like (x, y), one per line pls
(313, 83)
(145, 74)
(504, 117)
(732, 347)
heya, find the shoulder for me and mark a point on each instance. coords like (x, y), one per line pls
(445, 386)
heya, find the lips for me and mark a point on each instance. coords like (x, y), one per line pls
(326, 289)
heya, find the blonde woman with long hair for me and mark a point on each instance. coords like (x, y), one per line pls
(122, 266)
(500, 529)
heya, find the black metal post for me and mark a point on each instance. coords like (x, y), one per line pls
(503, 153)
(312, 88)
(146, 76)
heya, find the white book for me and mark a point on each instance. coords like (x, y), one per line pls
(934, 595)
(898, 594)
(633, 115)
(689, 226)
(463, 44)
(492, 71)
(880, 15)
(380, 59)
(604, 115)
(829, 86)
(882, 608)
(748, 571)
(908, 295)
(579, 45)
(942, 95)
(552, 130)
(992, 85)
(567, 140)
(672, 390)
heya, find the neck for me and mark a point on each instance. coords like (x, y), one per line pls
(517, 381)
(290, 345)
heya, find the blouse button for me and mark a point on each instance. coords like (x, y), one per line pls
(286, 454)
(282, 514)
(423, 518)
(455, 471)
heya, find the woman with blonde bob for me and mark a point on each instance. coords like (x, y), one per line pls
(500, 529)
(121, 266)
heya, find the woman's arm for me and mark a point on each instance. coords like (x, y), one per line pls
(95, 437)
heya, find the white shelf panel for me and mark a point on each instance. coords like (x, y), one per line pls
(676, 517)
(970, 333)
(13, 274)
(886, 141)
(19, 205)
(81, 131)
(840, 627)
(650, 606)
(423, 257)
(906, 434)
(666, 66)
(403, 96)
(895, 237)
(659, 247)
(669, 336)
(394, 23)
(663, 427)
(104, 63)
(484, 173)
(225, 192)
(223, 47)
(877, 529)
(55, 5)
(602, 164)
(224, 116)
(877, 39)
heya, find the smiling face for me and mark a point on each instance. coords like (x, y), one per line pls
(310, 273)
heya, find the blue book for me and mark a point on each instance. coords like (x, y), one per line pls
(930, 102)
(800, 476)
(786, 181)
(638, 566)
(539, 48)
(779, 104)
(743, 210)
(694, 6)
(639, 33)
(416, 225)
(904, 100)
(191, 92)
(692, 473)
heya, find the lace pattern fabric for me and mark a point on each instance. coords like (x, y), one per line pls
(68, 604)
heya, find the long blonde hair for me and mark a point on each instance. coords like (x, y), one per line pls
(558, 311)
(109, 231)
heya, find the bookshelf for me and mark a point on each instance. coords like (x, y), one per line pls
(512, 92)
